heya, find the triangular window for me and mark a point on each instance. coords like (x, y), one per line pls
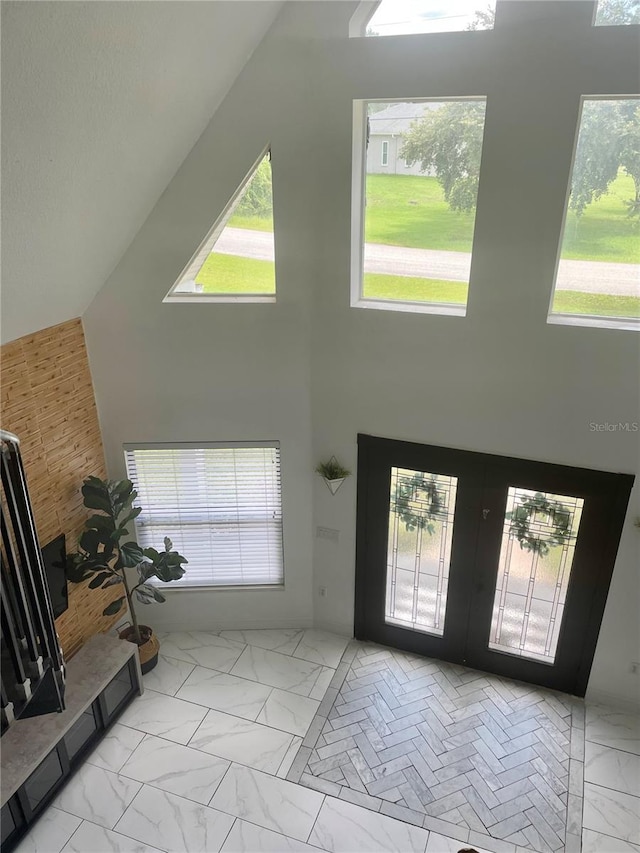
(236, 259)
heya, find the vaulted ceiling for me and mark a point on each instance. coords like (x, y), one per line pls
(101, 103)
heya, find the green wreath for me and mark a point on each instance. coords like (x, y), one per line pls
(406, 495)
(522, 516)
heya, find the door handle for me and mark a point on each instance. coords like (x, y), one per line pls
(485, 513)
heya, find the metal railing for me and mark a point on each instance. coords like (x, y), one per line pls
(32, 662)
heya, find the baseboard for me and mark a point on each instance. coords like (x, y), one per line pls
(612, 700)
(167, 627)
(344, 630)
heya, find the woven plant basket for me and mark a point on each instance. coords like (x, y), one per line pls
(148, 651)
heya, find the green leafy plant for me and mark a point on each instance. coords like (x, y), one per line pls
(332, 470)
(102, 557)
(533, 510)
(418, 503)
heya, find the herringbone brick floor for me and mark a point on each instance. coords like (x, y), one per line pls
(433, 739)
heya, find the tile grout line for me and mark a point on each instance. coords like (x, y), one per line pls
(315, 820)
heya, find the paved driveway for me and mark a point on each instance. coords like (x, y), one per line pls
(584, 276)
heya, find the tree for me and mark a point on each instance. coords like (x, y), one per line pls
(609, 140)
(630, 149)
(483, 20)
(614, 12)
(597, 157)
(448, 140)
(257, 199)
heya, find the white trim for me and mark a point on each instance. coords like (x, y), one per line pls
(447, 308)
(384, 153)
(219, 298)
(595, 321)
(358, 183)
(210, 240)
(361, 17)
(194, 445)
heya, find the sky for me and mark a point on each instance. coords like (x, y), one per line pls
(397, 17)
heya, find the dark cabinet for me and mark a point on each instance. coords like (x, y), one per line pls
(43, 780)
(68, 749)
(113, 697)
(11, 821)
(81, 733)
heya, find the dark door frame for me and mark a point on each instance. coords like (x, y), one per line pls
(482, 480)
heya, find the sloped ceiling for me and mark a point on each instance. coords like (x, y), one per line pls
(101, 103)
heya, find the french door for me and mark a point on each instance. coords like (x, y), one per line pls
(496, 563)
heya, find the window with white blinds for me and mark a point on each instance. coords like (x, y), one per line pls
(220, 504)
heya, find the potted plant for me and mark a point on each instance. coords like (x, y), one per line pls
(333, 473)
(102, 557)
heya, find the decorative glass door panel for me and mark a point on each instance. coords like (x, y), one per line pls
(491, 562)
(539, 535)
(421, 510)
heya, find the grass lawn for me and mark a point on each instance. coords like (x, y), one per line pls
(408, 289)
(231, 274)
(574, 302)
(254, 223)
(409, 210)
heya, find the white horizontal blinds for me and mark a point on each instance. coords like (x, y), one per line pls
(220, 505)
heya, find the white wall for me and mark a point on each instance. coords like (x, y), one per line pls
(314, 372)
(101, 103)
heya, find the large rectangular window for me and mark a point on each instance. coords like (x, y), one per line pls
(598, 277)
(413, 233)
(220, 504)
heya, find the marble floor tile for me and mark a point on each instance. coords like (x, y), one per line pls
(321, 647)
(173, 823)
(342, 826)
(242, 740)
(613, 728)
(225, 692)
(443, 844)
(177, 769)
(611, 812)
(612, 768)
(277, 670)
(166, 716)
(90, 838)
(268, 801)
(284, 640)
(50, 833)
(323, 682)
(97, 795)
(115, 747)
(248, 838)
(289, 757)
(202, 649)
(288, 711)
(596, 842)
(168, 676)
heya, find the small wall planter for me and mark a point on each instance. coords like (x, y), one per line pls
(333, 473)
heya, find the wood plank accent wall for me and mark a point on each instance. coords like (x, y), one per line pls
(47, 400)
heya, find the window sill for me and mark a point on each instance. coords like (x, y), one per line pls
(623, 323)
(444, 308)
(220, 297)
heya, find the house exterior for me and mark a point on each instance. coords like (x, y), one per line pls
(386, 136)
